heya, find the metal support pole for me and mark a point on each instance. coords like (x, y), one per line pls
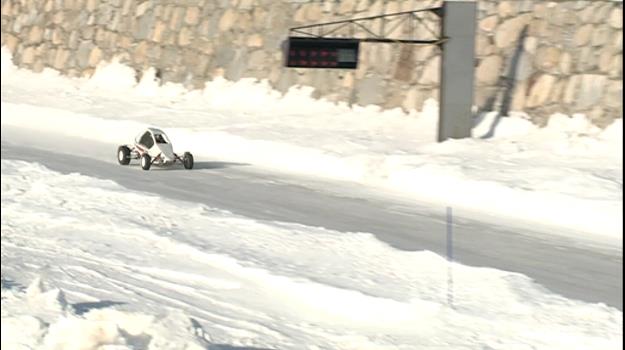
(457, 66)
(450, 259)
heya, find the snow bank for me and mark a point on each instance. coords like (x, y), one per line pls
(567, 174)
(40, 318)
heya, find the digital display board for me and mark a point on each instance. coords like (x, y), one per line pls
(322, 53)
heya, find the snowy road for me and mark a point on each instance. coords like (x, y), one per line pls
(589, 271)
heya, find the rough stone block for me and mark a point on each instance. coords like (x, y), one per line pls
(614, 95)
(57, 36)
(600, 36)
(78, 5)
(362, 6)
(348, 80)
(139, 54)
(236, 68)
(167, 12)
(142, 8)
(28, 55)
(605, 60)
(405, 67)
(583, 35)
(616, 69)
(255, 40)
(244, 22)
(602, 12)
(414, 99)
(124, 42)
(114, 24)
(538, 28)
(91, 5)
(38, 66)
(314, 12)
(153, 51)
(566, 63)
(540, 90)
(192, 16)
(392, 6)
(94, 57)
(345, 7)
(158, 31)
(227, 20)
(587, 59)
(10, 41)
(47, 34)
(258, 58)
(557, 91)
(300, 15)
(489, 70)
(246, 4)
(206, 47)
(590, 90)
(87, 33)
(100, 35)
(259, 16)
(7, 8)
(489, 23)
(127, 7)
(617, 41)
(144, 26)
(508, 32)
(82, 54)
(431, 72)
(540, 9)
(185, 36)
(199, 69)
(483, 46)
(571, 89)
(49, 6)
(58, 17)
(61, 59)
(176, 18)
(35, 35)
(616, 18)
(170, 57)
(507, 8)
(548, 57)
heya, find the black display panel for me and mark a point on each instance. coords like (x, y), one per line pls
(322, 53)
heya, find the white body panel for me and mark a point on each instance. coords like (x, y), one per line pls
(163, 148)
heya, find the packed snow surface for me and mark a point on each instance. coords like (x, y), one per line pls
(566, 175)
(155, 273)
(118, 269)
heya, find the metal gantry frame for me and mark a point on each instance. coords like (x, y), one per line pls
(323, 30)
(456, 40)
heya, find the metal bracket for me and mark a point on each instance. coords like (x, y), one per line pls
(323, 30)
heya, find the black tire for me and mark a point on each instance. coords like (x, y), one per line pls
(123, 155)
(146, 161)
(187, 160)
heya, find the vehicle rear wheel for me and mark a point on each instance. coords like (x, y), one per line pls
(187, 160)
(146, 161)
(123, 155)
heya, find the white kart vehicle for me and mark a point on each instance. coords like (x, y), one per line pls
(152, 147)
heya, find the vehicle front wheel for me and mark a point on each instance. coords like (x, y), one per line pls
(123, 155)
(146, 162)
(187, 160)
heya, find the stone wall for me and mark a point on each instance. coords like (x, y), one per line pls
(541, 57)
